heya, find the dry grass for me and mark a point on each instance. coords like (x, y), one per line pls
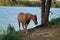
(51, 33)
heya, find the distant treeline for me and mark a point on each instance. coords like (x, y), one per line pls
(26, 3)
(19, 3)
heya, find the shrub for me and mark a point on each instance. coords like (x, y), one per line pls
(55, 21)
(11, 34)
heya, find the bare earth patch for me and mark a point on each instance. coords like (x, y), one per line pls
(49, 33)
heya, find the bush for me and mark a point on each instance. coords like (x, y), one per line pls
(55, 21)
(11, 34)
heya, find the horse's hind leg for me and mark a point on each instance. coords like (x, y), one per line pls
(19, 25)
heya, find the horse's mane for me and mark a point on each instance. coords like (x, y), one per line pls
(31, 14)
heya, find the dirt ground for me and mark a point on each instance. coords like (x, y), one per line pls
(51, 32)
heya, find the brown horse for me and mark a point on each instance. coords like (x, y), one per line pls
(25, 19)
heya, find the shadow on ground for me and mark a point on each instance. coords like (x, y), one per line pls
(50, 32)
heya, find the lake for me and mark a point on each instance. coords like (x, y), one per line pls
(8, 15)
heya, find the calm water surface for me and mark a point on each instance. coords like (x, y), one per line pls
(8, 15)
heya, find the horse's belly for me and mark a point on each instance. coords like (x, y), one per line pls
(23, 21)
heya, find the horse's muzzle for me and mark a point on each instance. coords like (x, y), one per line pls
(36, 23)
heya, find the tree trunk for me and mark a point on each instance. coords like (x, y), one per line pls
(48, 5)
(45, 11)
(42, 11)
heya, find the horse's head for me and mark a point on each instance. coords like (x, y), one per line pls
(35, 19)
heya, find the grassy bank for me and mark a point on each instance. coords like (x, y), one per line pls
(55, 21)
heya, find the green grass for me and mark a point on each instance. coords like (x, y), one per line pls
(11, 34)
(55, 21)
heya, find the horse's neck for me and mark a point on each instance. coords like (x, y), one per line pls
(32, 17)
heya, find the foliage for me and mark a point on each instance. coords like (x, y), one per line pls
(26, 3)
(19, 3)
(55, 21)
(55, 4)
(11, 34)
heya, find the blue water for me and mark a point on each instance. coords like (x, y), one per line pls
(8, 15)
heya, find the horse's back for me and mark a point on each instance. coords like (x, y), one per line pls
(21, 15)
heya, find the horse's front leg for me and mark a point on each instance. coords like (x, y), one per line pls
(26, 29)
(23, 28)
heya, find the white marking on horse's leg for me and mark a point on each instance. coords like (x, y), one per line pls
(24, 26)
(24, 29)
